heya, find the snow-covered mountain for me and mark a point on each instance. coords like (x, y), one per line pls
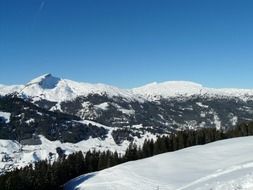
(158, 108)
(56, 89)
(99, 116)
(222, 165)
(156, 104)
(170, 89)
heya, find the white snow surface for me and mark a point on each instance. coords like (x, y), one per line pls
(6, 116)
(56, 89)
(103, 106)
(222, 165)
(4, 89)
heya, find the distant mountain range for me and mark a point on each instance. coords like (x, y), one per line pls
(60, 113)
(56, 89)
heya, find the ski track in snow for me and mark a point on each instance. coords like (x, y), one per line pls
(218, 174)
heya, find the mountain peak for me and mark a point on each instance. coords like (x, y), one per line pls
(56, 89)
(46, 81)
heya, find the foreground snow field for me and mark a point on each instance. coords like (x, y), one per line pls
(222, 165)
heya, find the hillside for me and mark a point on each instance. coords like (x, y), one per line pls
(222, 165)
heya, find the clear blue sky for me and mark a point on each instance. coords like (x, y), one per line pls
(128, 43)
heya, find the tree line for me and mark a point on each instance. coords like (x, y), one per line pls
(52, 176)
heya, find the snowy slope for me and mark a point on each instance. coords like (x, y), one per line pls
(6, 116)
(15, 155)
(223, 165)
(4, 89)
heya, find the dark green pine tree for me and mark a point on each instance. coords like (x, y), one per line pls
(102, 162)
(131, 152)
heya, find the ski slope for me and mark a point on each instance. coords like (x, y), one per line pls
(222, 165)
